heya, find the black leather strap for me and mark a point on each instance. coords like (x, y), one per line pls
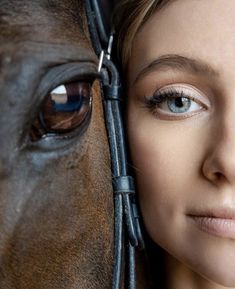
(127, 233)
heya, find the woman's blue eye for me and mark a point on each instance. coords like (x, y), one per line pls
(179, 104)
(174, 101)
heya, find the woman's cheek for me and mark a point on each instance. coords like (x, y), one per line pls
(167, 158)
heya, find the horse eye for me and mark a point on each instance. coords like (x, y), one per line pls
(64, 109)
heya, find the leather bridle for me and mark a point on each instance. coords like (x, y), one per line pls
(127, 232)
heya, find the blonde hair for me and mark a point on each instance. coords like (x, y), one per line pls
(129, 16)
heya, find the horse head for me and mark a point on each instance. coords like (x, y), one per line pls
(56, 201)
(56, 212)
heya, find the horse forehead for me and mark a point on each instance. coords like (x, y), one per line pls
(43, 21)
(56, 30)
(39, 35)
(24, 64)
(38, 11)
(44, 54)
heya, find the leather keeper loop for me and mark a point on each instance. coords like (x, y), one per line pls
(112, 92)
(123, 184)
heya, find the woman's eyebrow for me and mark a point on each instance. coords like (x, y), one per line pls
(178, 62)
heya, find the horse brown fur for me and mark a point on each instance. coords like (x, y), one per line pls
(56, 207)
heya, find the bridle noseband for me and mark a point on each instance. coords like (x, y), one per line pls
(127, 232)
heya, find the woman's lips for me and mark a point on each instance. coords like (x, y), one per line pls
(216, 222)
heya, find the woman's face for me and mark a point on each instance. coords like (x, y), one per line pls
(181, 130)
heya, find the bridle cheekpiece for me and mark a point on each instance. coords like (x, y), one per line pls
(127, 231)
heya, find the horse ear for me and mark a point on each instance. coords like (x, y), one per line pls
(103, 11)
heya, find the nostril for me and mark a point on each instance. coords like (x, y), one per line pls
(219, 176)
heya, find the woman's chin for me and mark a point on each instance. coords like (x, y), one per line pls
(225, 277)
(205, 268)
(217, 273)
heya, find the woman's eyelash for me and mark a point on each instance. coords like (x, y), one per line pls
(159, 97)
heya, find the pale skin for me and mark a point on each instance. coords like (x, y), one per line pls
(185, 160)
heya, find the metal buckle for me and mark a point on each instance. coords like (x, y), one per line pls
(106, 53)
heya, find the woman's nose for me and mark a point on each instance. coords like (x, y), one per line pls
(219, 164)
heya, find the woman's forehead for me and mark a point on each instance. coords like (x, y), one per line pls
(203, 29)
